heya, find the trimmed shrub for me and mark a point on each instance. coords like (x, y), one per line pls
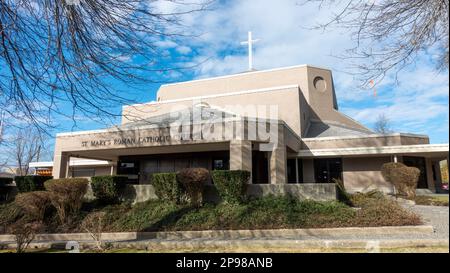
(107, 188)
(5, 181)
(31, 182)
(403, 178)
(167, 187)
(193, 180)
(231, 185)
(388, 168)
(34, 204)
(66, 196)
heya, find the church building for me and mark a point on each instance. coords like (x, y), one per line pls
(283, 125)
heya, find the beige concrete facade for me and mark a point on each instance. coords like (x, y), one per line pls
(272, 115)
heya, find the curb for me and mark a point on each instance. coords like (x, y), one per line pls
(233, 234)
(282, 245)
(259, 245)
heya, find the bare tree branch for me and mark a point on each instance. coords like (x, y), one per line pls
(389, 34)
(56, 54)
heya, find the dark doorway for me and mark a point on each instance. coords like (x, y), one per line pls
(419, 163)
(327, 169)
(291, 171)
(260, 168)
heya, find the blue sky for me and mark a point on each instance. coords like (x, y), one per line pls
(417, 103)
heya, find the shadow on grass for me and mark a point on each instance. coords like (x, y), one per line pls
(169, 220)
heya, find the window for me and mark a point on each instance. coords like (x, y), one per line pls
(76, 172)
(325, 170)
(220, 164)
(295, 170)
(130, 169)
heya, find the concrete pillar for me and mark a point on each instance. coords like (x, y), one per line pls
(113, 169)
(308, 171)
(437, 169)
(429, 170)
(60, 165)
(241, 155)
(278, 169)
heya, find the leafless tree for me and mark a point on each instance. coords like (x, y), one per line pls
(56, 54)
(25, 147)
(382, 125)
(389, 34)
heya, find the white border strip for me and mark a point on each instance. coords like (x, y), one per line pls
(316, 139)
(401, 149)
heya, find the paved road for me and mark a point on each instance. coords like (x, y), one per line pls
(436, 216)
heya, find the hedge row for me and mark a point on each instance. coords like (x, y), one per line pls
(172, 187)
(30, 183)
(64, 195)
(107, 188)
(5, 181)
(231, 185)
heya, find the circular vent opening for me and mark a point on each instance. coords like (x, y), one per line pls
(320, 84)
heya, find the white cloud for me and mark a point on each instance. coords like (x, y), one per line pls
(165, 44)
(183, 50)
(419, 103)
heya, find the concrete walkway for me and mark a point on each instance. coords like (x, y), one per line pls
(437, 216)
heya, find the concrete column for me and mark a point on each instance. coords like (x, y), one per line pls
(241, 155)
(113, 169)
(437, 169)
(278, 158)
(60, 165)
(429, 170)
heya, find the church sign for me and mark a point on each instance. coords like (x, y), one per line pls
(126, 141)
